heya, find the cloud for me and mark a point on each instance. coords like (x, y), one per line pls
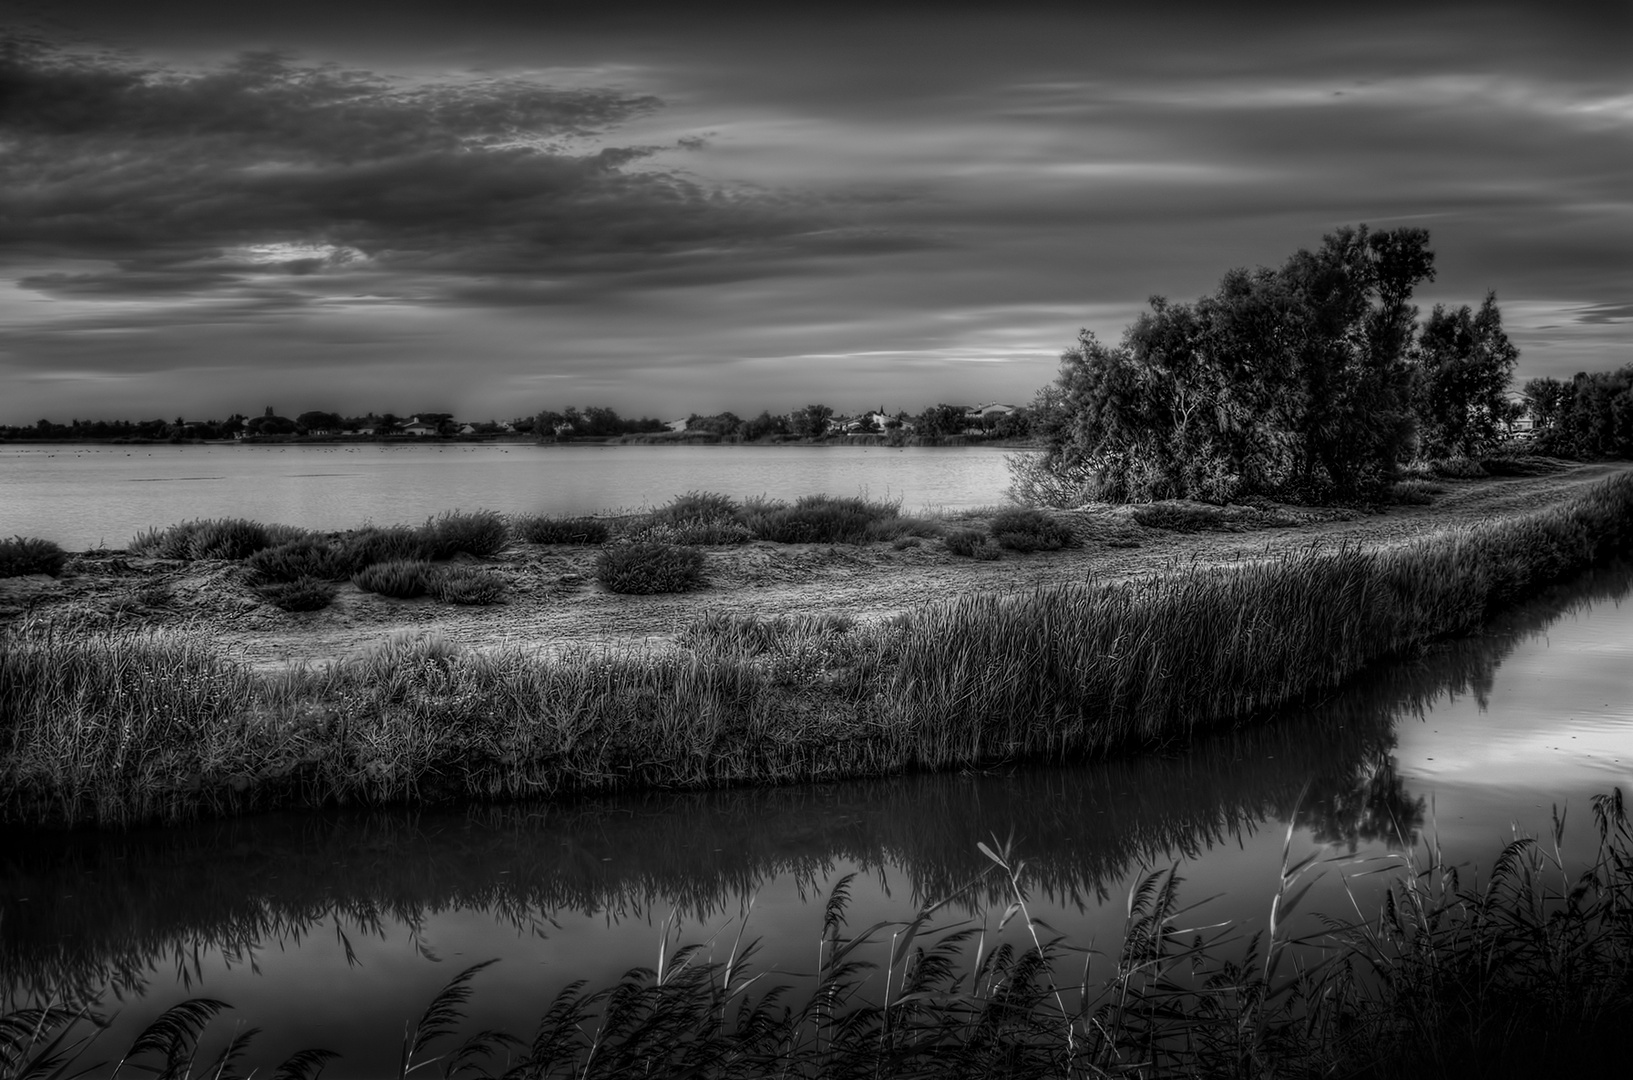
(170, 178)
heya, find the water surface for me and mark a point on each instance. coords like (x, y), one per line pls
(332, 929)
(85, 496)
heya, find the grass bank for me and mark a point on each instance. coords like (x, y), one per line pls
(117, 727)
(1523, 972)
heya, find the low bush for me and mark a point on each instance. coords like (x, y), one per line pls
(650, 568)
(301, 594)
(818, 519)
(696, 506)
(367, 546)
(482, 533)
(1178, 517)
(971, 543)
(1414, 493)
(467, 585)
(224, 538)
(297, 559)
(400, 578)
(1030, 530)
(174, 542)
(717, 531)
(30, 555)
(538, 529)
(1458, 468)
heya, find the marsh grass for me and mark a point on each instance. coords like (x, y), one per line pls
(22, 555)
(401, 579)
(645, 568)
(1525, 973)
(540, 529)
(1059, 672)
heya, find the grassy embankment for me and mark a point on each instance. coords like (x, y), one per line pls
(123, 726)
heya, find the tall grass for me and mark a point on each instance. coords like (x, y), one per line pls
(1512, 976)
(1059, 672)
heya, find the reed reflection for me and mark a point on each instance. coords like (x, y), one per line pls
(85, 914)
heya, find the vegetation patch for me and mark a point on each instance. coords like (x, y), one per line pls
(819, 519)
(1180, 517)
(482, 533)
(1415, 492)
(971, 543)
(1027, 530)
(223, 538)
(539, 529)
(307, 557)
(300, 594)
(402, 579)
(373, 544)
(468, 585)
(30, 555)
(642, 568)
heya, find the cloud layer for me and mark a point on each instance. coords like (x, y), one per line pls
(705, 208)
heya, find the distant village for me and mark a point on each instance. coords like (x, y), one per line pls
(999, 420)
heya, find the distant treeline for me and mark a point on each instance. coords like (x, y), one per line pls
(1589, 417)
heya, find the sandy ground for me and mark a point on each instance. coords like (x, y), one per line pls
(553, 599)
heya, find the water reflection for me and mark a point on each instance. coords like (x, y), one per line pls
(92, 913)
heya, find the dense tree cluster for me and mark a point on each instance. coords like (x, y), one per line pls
(1589, 417)
(594, 421)
(1310, 382)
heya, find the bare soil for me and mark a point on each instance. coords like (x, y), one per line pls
(553, 600)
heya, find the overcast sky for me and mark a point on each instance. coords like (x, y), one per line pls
(492, 208)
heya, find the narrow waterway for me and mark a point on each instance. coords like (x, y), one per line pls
(333, 929)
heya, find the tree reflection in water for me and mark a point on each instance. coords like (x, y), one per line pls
(85, 914)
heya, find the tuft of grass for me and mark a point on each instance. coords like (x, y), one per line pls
(1415, 492)
(650, 568)
(696, 506)
(402, 579)
(538, 529)
(221, 538)
(1025, 530)
(1458, 468)
(971, 543)
(30, 555)
(372, 544)
(300, 594)
(295, 560)
(1179, 517)
(467, 585)
(819, 519)
(482, 533)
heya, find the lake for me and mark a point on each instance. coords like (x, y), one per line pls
(83, 496)
(332, 929)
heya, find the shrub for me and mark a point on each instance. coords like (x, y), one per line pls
(174, 542)
(302, 594)
(902, 543)
(297, 559)
(482, 533)
(371, 545)
(696, 506)
(817, 519)
(1414, 492)
(467, 585)
(970, 543)
(537, 529)
(228, 538)
(1179, 517)
(1458, 468)
(650, 568)
(30, 555)
(693, 531)
(400, 578)
(1030, 530)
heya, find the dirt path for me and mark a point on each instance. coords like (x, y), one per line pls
(554, 601)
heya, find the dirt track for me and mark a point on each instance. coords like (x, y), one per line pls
(553, 599)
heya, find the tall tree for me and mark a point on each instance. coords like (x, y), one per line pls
(1464, 364)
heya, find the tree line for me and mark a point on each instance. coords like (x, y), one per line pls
(1311, 382)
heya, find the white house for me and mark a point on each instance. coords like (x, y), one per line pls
(418, 427)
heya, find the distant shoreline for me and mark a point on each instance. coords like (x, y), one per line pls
(644, 439)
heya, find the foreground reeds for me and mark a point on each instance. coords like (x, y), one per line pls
(124, 726)
(1526, 972)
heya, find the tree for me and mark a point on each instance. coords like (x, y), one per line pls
(1464, 364)
(941, 420)
(812, 421)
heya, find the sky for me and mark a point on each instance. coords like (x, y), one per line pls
(493, 208)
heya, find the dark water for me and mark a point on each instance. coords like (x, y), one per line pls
(333, 929)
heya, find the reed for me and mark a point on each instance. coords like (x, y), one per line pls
(1512, 976)
(1068, 671)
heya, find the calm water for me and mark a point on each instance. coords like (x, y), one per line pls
(83, 496)
(333, 929)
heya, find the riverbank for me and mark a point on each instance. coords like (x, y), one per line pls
(146, 689)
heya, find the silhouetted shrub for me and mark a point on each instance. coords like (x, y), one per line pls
(400, 578)
(30, 555)
(537, 529)
(304, 558)
(650, 568)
